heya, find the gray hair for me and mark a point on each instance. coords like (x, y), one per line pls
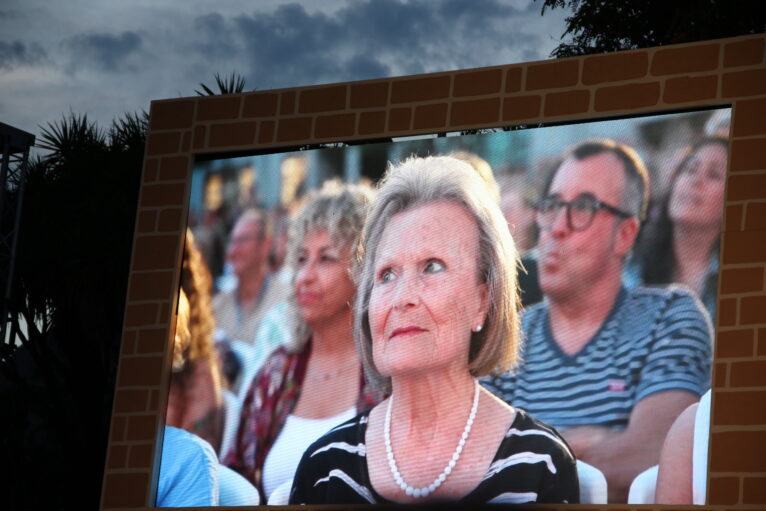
(418, 181)
(340, 210)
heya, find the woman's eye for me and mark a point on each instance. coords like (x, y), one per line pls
(386, 276)
(434, 266)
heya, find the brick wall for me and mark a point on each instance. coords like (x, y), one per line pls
(726, 71)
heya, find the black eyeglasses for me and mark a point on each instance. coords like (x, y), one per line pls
(580, 211)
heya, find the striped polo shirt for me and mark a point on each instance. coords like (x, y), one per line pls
(653, 340)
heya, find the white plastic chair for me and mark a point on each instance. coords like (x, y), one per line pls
(231, 411)
(643, 486)
(699, 451)
(593, 489)
(281, 494)
(235, 490)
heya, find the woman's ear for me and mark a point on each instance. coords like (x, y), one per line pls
(483, 305)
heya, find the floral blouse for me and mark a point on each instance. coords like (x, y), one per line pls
(272, 396)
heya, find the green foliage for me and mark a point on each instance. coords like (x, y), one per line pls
(600, 26)
(231, 84)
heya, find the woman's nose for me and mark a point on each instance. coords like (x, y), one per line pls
(406, 293)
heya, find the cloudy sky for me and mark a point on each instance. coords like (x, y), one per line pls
(105, 58)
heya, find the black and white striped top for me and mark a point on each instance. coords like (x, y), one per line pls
(653, 340)
(532, 464)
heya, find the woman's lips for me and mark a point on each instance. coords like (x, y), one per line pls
(306, 298)
(405, 331)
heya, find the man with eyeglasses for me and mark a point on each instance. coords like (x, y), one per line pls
(610, 368)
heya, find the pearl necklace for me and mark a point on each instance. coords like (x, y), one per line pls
(427, 490)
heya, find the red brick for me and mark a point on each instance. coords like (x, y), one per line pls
(752, 310)
(267, 131)
(751, 373)
(614, 67)
(216, 108)
(420, 89)
(170, 115)
(141, 427)
(691, 59)
(566, 103)
(140, 456)
(117, 457)
(140, 315)
(744, 247)
(723, 490)
(150, 170)
(287, 103)
(720, 374)
(743, 53)
(743, 408)
(173, 167)
(147, 221)
(733, 218)
(118, 429)
(477, 83)
(727, 313)
(290, 130)
(399, 119)
(738, 451)
(162, 143)
(755, 217)
(521, 108)
(125, 490)
(325, 99)
(140, 371)
(164, 315)
(372, 122)
(513, 80)
(128, 346)
(260, 105)
(430, 116)
(687, 88)
(627, 97)
(744, 83)
(154, 398)
(153, 285)
(748, 116)
(734, 343)
(741, 280)
(200, 133)
(154, 252)
(334, 126)
(478, 111)
(170, 220)
(754, 490)
(748, 154)
(152, 340)
(232, 134)
(553, 75)
(130, 401)
(744, 187)
(153, 196)
(186, 142)
(369, 95)
(761, 342)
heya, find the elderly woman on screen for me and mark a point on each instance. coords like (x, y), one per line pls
(437, 308)
(315, 381)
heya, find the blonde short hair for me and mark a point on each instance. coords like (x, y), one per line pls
(340, 210)
(419, 181)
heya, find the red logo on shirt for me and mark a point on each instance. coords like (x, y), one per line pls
(616, 386)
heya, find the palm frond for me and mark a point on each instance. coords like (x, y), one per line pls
(230, 84)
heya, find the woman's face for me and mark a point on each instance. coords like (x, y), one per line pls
(323, 286)
(426, 296)
(697, 195)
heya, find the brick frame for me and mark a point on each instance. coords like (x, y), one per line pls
(708, 73)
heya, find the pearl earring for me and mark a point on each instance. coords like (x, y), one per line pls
(477, 328)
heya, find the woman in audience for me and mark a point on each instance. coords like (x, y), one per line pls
(195, 401)
(685, 240)
(437, 308)
(315, 381)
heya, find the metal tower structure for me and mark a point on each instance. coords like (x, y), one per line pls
(14, 144)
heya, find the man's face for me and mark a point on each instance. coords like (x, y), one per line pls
(247, 248)
(570, 260)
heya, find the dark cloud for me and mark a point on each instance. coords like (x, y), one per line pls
(16, 53)
(365, 39)
(103, 51)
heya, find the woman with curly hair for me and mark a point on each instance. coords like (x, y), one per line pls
(195, 402)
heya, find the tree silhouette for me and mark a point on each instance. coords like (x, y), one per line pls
(231, 84)
(599, 26)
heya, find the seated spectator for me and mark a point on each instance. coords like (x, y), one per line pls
(315, 381)
(610, 368)
(195, 401)
(188, 471)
